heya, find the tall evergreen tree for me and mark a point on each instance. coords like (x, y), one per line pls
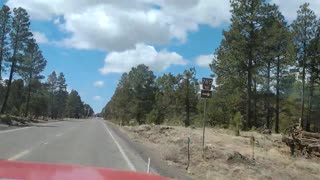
(19, 35)
(5, 27)
(239, 50)
(304, 28)
(74, 105)
(142, 89)
(32, 65)
(52, 87)
(276, 39)
(61, 95)
(187, 94)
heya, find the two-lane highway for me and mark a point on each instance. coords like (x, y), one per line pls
(86, 142)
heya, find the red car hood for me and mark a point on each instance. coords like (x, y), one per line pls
(11, 170)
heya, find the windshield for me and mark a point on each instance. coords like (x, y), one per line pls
(190, 89)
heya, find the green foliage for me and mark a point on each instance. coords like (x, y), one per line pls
(5, 27)
(74, 105)
(141, 98)
(236, 123)
(21, 54)
(256, 68)
(19, 35)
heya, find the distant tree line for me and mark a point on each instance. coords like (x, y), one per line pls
(142, 98)
(21, 58)
(266, 71)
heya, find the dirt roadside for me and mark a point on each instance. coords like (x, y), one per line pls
(226, 156)
(12, 122)
(160, 166)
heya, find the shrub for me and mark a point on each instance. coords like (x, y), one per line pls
(236, 123)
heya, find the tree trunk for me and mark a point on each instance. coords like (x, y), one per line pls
(308, 121)
(303, 85)
(277, 96)
(28, 97)
(255, 119)
(268, 96)
(4, 105)
(249, 82)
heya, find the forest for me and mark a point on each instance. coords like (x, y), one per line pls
(266, 73)
(25, 93)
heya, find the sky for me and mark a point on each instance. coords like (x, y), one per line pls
(94, 41)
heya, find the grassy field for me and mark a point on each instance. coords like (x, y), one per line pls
(226, 156)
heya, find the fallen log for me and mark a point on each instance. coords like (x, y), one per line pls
(311, 135)
(302, 142)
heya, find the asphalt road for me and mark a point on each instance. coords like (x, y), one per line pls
(88, 142)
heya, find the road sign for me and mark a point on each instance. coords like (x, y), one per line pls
(206, 93)
(207, 83)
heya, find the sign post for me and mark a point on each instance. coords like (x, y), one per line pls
(206, 93)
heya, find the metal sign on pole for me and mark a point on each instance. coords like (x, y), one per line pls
(205, 93)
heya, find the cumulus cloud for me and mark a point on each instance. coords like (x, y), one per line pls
(119, 62)
(98, 83)
(204, 60)
(97, 98)
(40, 37)
(117, 25)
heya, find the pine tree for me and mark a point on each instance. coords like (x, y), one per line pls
(5, 27)
(187, 94)
(74, 105)
(32, 65)
(239, 52)
(314, 71)
(142, 90)
(52, 87)
(61, 95)
(276, 39)
(304, 28)
(19, 35)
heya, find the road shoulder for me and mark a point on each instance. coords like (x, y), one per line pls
(159, 166)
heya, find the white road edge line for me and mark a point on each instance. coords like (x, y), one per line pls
(125, 157)
(19, 155)
(15, 129)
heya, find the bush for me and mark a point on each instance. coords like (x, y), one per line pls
(155, 117)
(237, 123)
(6, 119)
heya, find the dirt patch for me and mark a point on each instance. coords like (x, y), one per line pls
(226, 156)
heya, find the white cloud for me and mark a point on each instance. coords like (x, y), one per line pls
(98, 83)
(69, 90)
(97, 98)
(40, 37)
(119, 62)
(57, 21)
(117, 25)
(289, 9)
(204, 60)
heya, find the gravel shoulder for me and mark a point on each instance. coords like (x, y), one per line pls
(144, 152)
(226, 156)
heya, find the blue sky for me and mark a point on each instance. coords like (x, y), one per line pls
(94, 41)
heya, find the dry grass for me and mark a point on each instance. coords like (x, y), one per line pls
(226, 156)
